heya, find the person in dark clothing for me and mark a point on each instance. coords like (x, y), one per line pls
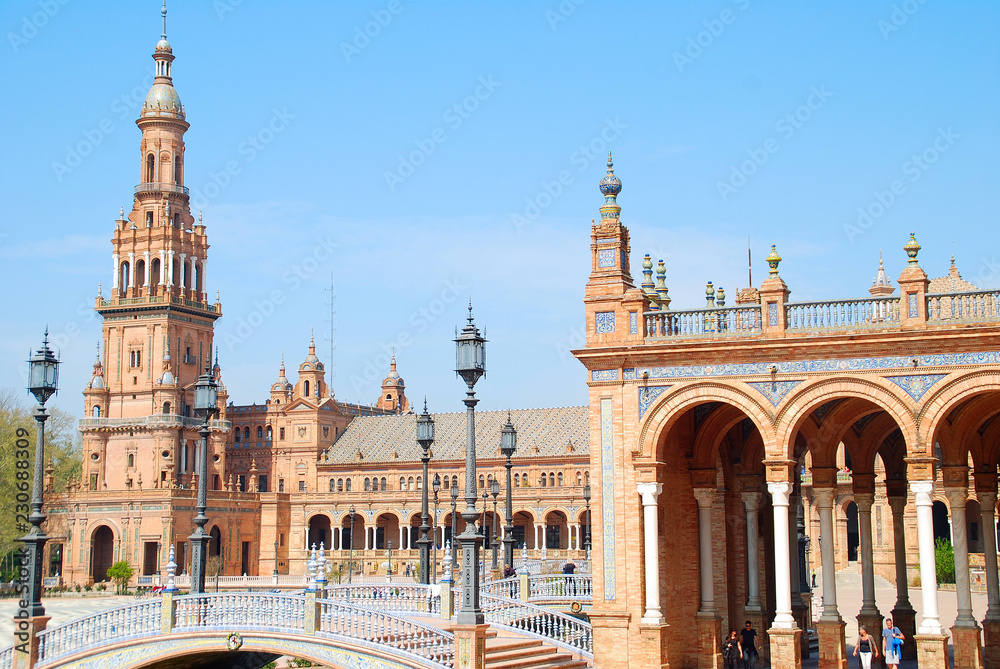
(569, 568)
(731, 650)
(748, 646)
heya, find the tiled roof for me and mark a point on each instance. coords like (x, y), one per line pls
(951, 283)
(540, 433)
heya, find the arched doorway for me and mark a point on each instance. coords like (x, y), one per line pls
(853, 533)
(555, 530)
(102, 552)
(942, 527)
(215, 543)
(319, 531)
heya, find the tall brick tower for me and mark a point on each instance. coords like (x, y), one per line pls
(158, 324)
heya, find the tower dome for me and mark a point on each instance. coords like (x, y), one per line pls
(162, 99)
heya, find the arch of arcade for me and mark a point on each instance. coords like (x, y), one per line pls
(717, 432)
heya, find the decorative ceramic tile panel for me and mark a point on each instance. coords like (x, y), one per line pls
(912, 302)
(633, 322)
(815, 366)
(604, 322)
(604, 375)
(916, 386)
(606, 258)
(774, 391)
(608, 519)
(772, 314)
(647, 396)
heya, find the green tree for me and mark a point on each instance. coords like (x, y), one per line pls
(944, 560)
(121, 573)
(63, 449)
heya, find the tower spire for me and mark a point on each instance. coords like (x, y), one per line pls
(164, 13)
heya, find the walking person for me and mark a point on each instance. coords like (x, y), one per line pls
(892, 643)
(748, 646)
(866, 648)
(731, 650)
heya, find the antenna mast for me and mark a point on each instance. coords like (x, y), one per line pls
(749, 264)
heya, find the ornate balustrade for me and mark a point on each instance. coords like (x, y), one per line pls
(530, 620)
(157, 420)
(743, 320)
(410, 598)
(981, 305)
(158, 186)
(7, 657)
(567, 587)
(132, 621)
(224, 610)
(876, 312)
(507, 588)
(340, 620)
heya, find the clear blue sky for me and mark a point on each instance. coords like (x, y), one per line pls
(683, 93)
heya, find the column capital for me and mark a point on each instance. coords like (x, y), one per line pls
(923, 492)
(825, 497)
(957, 496)
(780, 491)
(705, 497)
(649, 492)
(987, 500)
(864, 500)
(897, 503)
(752, 500)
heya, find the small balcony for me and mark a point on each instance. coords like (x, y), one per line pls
(160, 187)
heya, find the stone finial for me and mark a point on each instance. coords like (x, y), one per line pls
(171, 570)
(661, 285)
(709, 295)
(524, 554)
(772, 261)
(311, 568)
(912, 248)
(321, 564)
(720, 297)
(446, 563)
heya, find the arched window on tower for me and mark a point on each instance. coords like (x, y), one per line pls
(150, 168)
(270, 433)
(96, 411)
(305, 388)
(368, 484)
(482, 482)
(447, 482)
(177, 170)
(560, 478)
(454, 481)
(340, 485)
(420, 483)
(542, 479)
(140, 272)
(347, 485)
(260, 432)
(239, 434)
(333, 485)
(246, 433)
(166, 407)
(131, 460)
(382, 485)
(402, 483)
(154, 275)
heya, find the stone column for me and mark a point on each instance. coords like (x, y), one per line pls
(785, 639)
(193, 277)
(869, 615)
(932, 643)
(830, 627)
(903, 615)
(649, 492)
(799, 611)
(117, 271)
(184, 279)
(163, 267)
(965, 632)
(170, 270)
(145, 269)
(130, 279)
(751, 501)
(709, 624)
(991, 624)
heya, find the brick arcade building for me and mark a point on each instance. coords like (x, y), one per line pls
(709, 426)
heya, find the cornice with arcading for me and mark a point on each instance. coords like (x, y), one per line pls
(657, 409)
(854, 381)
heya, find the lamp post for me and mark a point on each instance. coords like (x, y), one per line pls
(350, 560)
(205, 405)
(434, 562)
(43, 381)
(508, 444)
(276, 562)
(495, 491)
(388, 555)
(425, 437)
(486, 502)
(586, 530)
(470, 364)
(454, 530)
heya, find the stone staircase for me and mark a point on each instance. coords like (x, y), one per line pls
(510, 652)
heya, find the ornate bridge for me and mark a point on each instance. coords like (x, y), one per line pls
(371, 626)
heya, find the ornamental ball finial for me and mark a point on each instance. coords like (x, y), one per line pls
(772, 261)
(912, 248)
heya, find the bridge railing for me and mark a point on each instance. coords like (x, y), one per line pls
(560, 586)
(131, 621)
(528, 619)
(409, 598)
(247, 610)
(340, 620)
(509, 588)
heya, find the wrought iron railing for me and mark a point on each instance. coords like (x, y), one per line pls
(340, 620)
(875, 312)
(527, 619)
(981, 305)
(725, 321)
(131, 621)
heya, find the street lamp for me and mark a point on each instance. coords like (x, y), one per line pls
(495, 491)
(425, 437)
(206, 394)
(486, 501)
(350, 560)
(43, 381)
(508, 444)
(434, 564)
(586, 530)
(470, 364)
(454, 529)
